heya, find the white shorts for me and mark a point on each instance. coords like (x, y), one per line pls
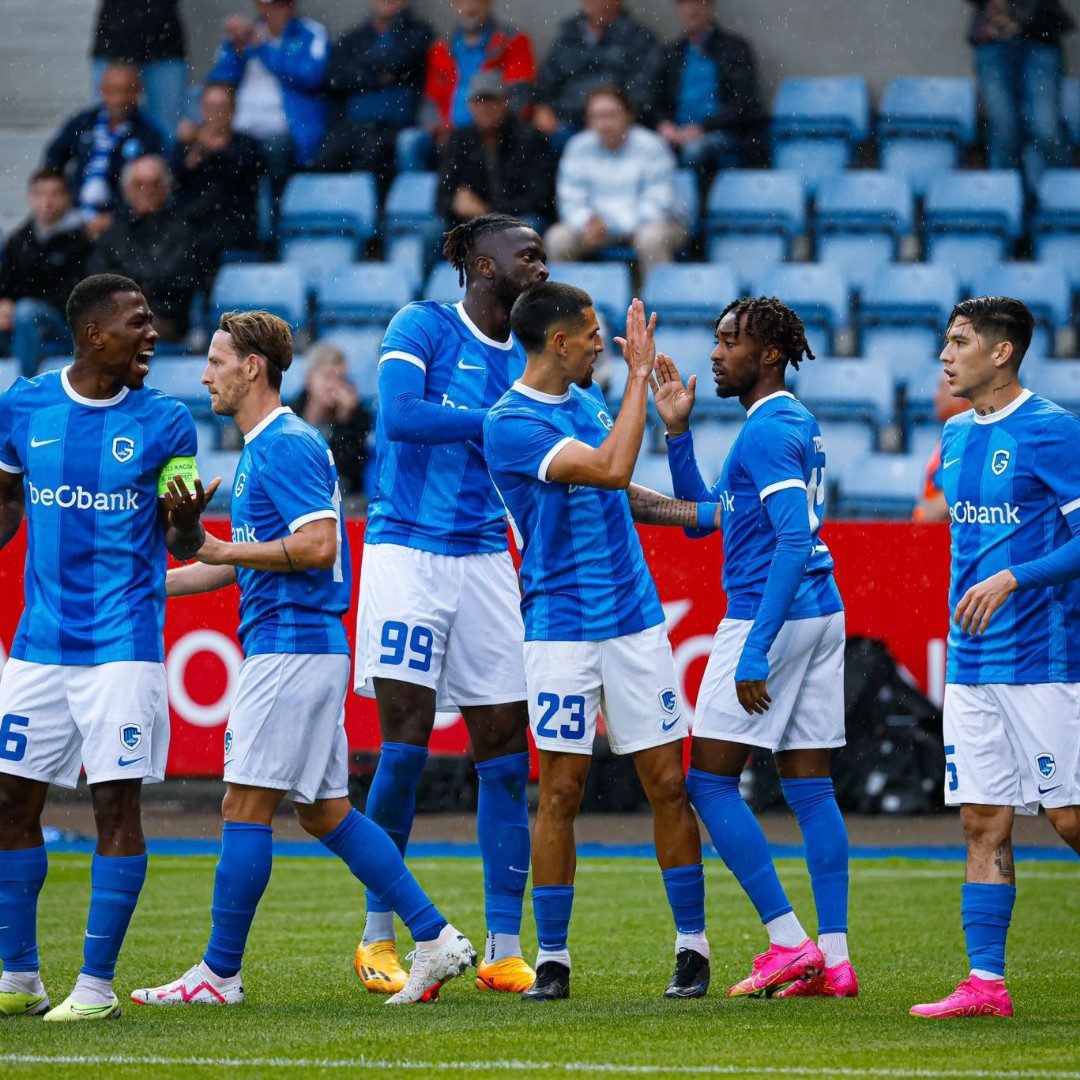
(448, 622)
(112, 719)
(806, 684)
(632, 678)
(1013, 746)
(287, 726)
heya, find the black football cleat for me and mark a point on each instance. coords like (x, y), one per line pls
(552, 983)
(691, 977)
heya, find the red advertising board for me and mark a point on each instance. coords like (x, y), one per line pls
(893, 577)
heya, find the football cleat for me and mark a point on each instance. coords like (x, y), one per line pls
(378, 967)
(16, 1003)
(192, 988)
(972, 997)
(432, 967)
(778, 966)
(70, 1009)
(838, 981)
(691, 976)
(511, 975)
(552, 983)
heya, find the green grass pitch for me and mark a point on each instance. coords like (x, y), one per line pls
(306, 1013)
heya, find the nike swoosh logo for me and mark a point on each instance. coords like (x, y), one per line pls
(100, 937)
(35, 443)
(469, 367)
(951, 461)
(124, 762)
(515, 870)
(668, 727)
(1047, 790)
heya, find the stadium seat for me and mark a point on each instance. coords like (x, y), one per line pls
(409, 216)
(607, 283)
(922, 439)
(1070, 109)
(277, 287)
(764, 205)
(688, 200)
(974, 203)
(847, 442)
(712, 441)
(691, 349)
(852, 390)
(1044, 287)
(818, 293)
(314, 254)
(181, 376)
(1055, 223)
(360, 293)
(1058, 380)
(361, 345)
(884, 486)
(213, 463)
(442, 285)
(905, 309)
(747, 254)
(338, 205)
(924, 122)
(919, 384)
(690, 294)
(651, 471)
(410, 253)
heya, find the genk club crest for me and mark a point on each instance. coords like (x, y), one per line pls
(999, 462)
(131, 736)
(241, 480)
(1046, 765)
(123, 449)
(228, 741)
(669, 701)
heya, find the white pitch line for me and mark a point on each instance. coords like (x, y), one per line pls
(534, 1066)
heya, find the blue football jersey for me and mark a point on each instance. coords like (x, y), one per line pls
(440, 498)
(583, 574)
(95, 555)
(285, 478)
(780, 446)
(1012, 479)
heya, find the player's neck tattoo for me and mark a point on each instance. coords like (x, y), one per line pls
(1007, 385)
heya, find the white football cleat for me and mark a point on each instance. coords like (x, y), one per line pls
(192, 988)
(433, 966)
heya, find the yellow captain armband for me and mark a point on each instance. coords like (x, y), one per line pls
(184, 468)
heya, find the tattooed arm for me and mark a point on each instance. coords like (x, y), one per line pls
(651, 508)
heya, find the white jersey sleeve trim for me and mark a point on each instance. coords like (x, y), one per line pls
(396, 354)
(1067, 509)
(781, 485)
(315, 515)
(549, 457)
(5, 467)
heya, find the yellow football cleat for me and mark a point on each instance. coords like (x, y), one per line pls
(70, 1009)
(378, 968)
(16, 1003)
(511, 975)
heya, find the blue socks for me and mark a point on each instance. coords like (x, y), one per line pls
(551, 909)
(986, 911)
(825, 841)
(372, 857)
(685, 886)
(115, 884)
(241, 877)
(739, 841)
(22, 873)
(502, 825)
(391, 802)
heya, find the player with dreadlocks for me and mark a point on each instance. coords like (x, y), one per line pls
(439, 624)
(775, 674)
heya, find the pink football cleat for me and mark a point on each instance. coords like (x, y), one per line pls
(778, 966)
(973, 997)
(838, 981)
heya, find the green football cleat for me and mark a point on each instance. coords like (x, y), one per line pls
(70, 1009)
(15, 1003)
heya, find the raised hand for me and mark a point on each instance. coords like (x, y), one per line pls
(674, 401)
(639, 345)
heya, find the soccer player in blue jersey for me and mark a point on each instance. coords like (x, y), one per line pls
(775, 675)
(594, 627)
(87, 454)
(1011, 471)
(438, 625)
(286, 734)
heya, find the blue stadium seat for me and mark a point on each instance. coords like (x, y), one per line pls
(747, 254)
(922, 439)
(754, 202)
(987, 203)
(1055, 222)
(411, 254)
(963, 253)
(920, 384)
(1058, 380)
(818, 293)
(607, 283)
(651, 471)
(410, 203)
(851, 390)
(1070, 109)
(847, 442)
(691, 294)
(905, 309)
(712, 441)
(691, 348)
(212, 463)
(442, 285)
(315, 254)
(361, 345)
(360, 293)
(924, 122)
(688, 200)
(338, 205)
(884, 486)
(181, 376)
(277, 287)
(1044, 287)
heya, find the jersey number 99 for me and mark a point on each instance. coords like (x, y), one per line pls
(397, 639)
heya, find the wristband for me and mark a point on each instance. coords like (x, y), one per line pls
(706, 515)
(288, 557)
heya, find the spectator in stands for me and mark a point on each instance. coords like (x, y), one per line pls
(151, 35)
(601, 44)
(377, 73)
(1018, 62)
(932, 505)
(277, 62)
(42, 262)
(329, 402)
(616, 183)
(217, 172)
(93, 145)
(708, 109)
(499, 163)
(153, 244)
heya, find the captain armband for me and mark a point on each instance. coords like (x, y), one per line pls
(182, 467)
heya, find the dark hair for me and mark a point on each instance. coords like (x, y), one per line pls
(544, 306)
(999, 318)
(46, 173)
(610, 89)
(94, 299)
(461, 240)
(772, 323)
(264, 334)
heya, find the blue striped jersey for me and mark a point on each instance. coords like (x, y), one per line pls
(285, 478)
(1012, 480)
(780, 446)
(440, 498)
(583, 574)
(95, 555)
